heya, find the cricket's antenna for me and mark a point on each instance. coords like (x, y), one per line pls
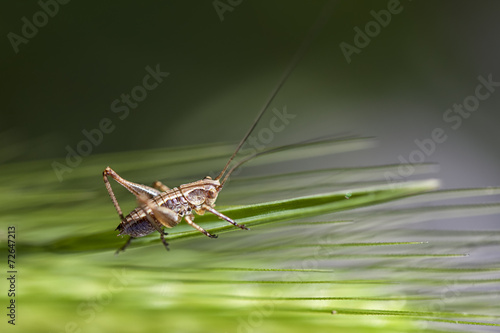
(322, 19)
(281, 148)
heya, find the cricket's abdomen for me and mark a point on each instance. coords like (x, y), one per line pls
(136, 224)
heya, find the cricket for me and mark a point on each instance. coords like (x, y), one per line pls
(161, 206)
(165, 207)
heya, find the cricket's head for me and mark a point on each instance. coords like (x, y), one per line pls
(204, 191)
(212, 189)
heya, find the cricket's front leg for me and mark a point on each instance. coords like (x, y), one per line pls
(222, 216)
(189, 220)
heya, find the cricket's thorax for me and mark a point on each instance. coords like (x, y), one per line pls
(182, 200)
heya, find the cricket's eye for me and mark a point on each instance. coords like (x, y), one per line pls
(212, 194)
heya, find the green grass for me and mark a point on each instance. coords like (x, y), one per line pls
(328, 250)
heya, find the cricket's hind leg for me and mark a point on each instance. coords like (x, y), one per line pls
(122, 249)
(134, 188)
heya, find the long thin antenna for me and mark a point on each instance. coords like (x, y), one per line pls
(337, 137)
(320, 21)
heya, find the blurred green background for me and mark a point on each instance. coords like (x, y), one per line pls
(65, 78)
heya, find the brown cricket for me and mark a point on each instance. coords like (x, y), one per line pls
(161, 206)
(165, 207)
